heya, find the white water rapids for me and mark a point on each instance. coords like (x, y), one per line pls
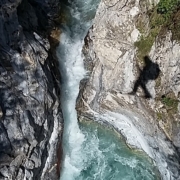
(80, 15)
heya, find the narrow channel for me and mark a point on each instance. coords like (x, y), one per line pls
(78, 16)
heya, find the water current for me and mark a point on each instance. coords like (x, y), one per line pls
(109, 158)
(89, 152)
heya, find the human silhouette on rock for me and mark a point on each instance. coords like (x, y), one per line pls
(149, 72)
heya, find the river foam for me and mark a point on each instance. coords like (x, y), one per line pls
(123, 123)
(108, 157)
(69, 52)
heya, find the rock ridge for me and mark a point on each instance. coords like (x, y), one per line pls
(30, 116)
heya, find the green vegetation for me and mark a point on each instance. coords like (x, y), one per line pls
(170, 105)
(170, 11)
(167, 7)
(146, 41)
(160, 19)
(170, 102)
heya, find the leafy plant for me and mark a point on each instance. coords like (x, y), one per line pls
(169, 102)
(167, 7)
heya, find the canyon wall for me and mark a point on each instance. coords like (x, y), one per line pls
(30, 116)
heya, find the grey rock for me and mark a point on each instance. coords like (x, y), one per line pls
(114, 71)
(30, 115)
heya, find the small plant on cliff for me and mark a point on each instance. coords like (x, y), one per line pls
(169, 102)
(167, 7)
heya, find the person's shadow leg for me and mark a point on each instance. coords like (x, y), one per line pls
(136, 85)
(146, 92)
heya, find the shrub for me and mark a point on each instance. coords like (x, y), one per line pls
(169, 102)
(167, 7)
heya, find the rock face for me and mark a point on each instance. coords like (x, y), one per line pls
(111, 56)
(30, 116)
(165, 52)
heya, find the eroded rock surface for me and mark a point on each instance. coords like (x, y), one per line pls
(111, 56)
(30, 117)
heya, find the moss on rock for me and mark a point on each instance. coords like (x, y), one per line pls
(160, 20)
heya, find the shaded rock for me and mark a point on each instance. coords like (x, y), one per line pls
(30, 124)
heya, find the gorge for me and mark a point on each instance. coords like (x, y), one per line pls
(78, 160)
(68, 70)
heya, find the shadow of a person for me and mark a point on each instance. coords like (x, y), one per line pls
(149, 72)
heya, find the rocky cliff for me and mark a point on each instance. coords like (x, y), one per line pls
(132, 57)
(30, 116)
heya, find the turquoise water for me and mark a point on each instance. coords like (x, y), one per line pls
(107, 157)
